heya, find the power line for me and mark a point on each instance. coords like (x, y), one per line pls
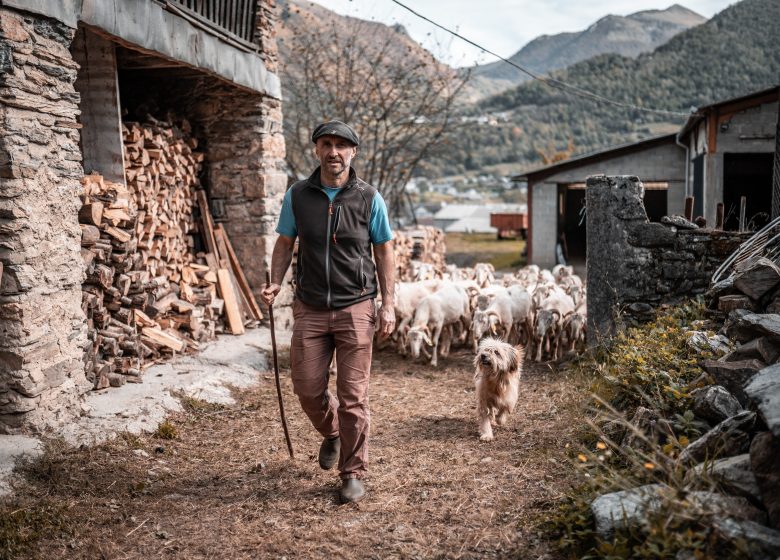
(546, 80)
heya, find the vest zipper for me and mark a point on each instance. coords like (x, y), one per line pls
(327, 251)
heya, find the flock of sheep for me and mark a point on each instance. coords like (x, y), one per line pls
(540, 309)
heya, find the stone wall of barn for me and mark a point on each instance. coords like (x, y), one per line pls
(42, 327)
(635, 265)
(43, 330)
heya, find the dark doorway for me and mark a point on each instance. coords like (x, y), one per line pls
(748, 175)
(655, 201)
(571, 222)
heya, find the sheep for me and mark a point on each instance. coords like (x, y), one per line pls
(571, 335)
(407, 297)
(444, 308)
(483, 274)
(545, 333)
(522, 312)
(495, 319)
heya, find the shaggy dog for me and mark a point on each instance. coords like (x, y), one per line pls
(498, 368)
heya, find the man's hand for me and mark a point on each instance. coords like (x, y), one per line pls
(269, 293)
(386, 321)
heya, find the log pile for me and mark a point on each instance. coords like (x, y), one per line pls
(424, 244)
(147, 294)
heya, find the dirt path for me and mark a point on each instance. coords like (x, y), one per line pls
(224, 487)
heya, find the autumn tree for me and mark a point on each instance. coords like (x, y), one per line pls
(399, 99)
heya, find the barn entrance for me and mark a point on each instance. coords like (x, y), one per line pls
(572, 241)
(748, 175)
(656, 199)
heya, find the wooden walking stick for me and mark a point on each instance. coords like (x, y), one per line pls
(276, 371)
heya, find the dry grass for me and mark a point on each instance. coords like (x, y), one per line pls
(225, 488)
(466, 249)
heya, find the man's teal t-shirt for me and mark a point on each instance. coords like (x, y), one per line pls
(379, 224)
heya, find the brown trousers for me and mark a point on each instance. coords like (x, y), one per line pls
(316, 332)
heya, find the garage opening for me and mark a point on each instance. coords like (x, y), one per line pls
(572, 241)
(748, 175)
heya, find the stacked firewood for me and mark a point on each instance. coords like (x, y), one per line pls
(424, 244)
(147, 294)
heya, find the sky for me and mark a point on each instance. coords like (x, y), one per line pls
(502, 26)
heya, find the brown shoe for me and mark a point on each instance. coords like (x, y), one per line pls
(352, 490)
(329, 452)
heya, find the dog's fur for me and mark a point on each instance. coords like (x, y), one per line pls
(498, 367)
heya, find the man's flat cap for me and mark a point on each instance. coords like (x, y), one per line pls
(335, 128)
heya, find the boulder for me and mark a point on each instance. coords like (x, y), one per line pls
(727, 439)
(765, 463)
(703, 342)
(733, 375)
(620, 510)
(735, 507)
(729, 303)
(734, 475)
(764, 391)
(679, 222)
(762, 542)
(744, 326)
(758, 279)
(761, 348)
(714, 403)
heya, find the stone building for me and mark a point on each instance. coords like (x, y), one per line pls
(730, 147)
(556, 193)
(70, 71)
(723, 152)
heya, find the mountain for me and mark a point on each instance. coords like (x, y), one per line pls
(628, 36)
(734, 53)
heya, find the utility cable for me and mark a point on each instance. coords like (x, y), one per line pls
(546, 80)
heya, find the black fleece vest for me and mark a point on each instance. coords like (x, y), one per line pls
(335, 265)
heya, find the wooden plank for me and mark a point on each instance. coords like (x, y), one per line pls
(207, 225)
(240, 277)
(101, 136)
(158, 336)
(231, 305)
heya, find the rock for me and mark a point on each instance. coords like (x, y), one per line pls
(774, 305)
(733, 375)
(734, 475)
(764, 460)
(679, 222)
(764, 390)
(735, 507)
(651, 234)
(727, 439)
(744, 326)
(714, 403)
(760, 349)
(722, 288)
(763, 543)
(703, 342)
(620, 510)
(646, 422)
(758, 279)
(736, 301)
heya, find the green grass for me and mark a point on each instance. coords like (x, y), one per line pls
(466, 249)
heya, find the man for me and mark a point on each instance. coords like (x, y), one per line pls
(337, 219)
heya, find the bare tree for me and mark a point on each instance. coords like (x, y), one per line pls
(399, 99)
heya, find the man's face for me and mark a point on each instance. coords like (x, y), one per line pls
(335, 154)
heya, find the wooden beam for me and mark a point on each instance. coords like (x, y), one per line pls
(240, 277)
(231, 305)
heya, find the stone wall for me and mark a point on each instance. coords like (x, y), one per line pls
(42, 327)
(246, 174)
(635, 265)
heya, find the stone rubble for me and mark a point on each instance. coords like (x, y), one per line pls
(737, 398)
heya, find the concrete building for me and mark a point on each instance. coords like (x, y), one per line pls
(70, 72)
(731, 146)
(556, 194)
